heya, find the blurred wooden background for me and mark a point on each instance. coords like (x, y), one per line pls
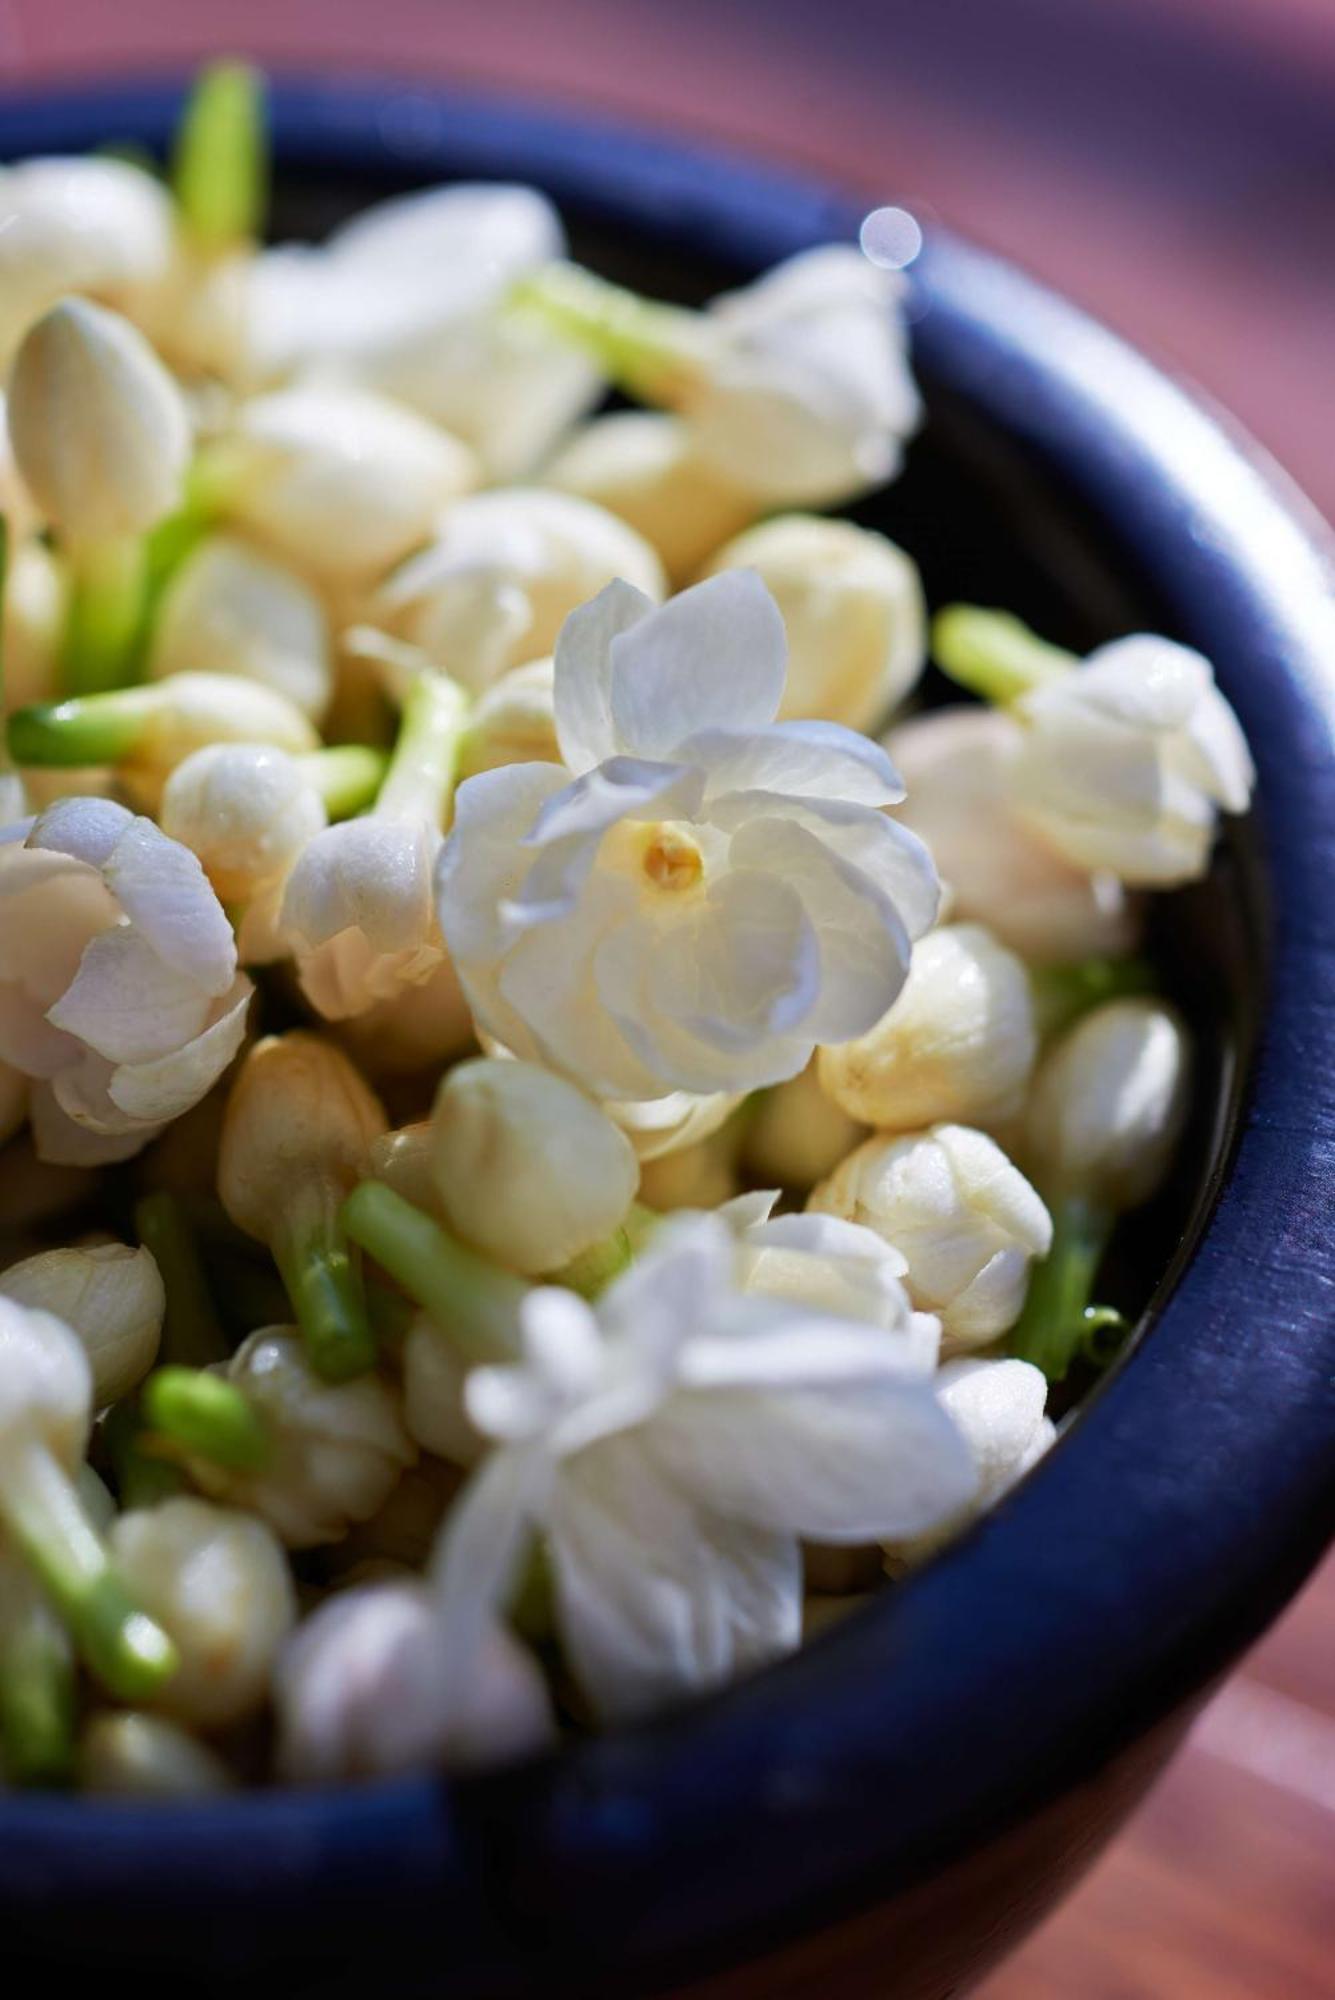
(1171, 163)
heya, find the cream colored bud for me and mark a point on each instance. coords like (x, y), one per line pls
(145, 1756)
(99, 428)
(45, 1384)
(190, 712)
(998, 1406)
(433, 1395)
(505, 570)
(231, 610)
(963, 1217)
(335, 1449)
(514, 721)
(795, 1134)
(77, 225)
(35, 602)
(853, 611)
(110, 1296)
(299, 1113)
(958, 1044)
(641, 466)
(339, 481)
(700, 1176)
(1108, 1104)
(246, 810)
(218, 1582)
(528, 1169)
(13, 1101)
(958, 766)
(360, 1694)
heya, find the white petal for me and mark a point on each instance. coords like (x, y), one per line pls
(160, 1090)
(62, 1142)
(483, 862)
(583, 673)
(86, 829)
(166, 894)
(873, 1461)
(819, 760)
(569, 829)
(371, 875)
(714, 657)
(129, 1004)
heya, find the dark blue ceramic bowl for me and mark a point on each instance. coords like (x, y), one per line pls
(894, 1806)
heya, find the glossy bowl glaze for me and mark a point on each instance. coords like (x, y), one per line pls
(888, 1811)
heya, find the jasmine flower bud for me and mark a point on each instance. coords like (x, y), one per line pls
(246, 810)
(795, 1134)
(35, 605)
(852, 608)
(642, 466)
(526, 1167)
(966, 1222)
(77, 225)
(504, 573)
(998, 1408)
(218, 1583)
(960, 766)
(360, 1692)
(1108, 1104)
(299, 1122)
(231, 610)
(514, 721)
(405, 1161)
(129, 1755)
(958, 1044)
(338, 481)
(99, 429)
(335, 1451)
(110, 1296)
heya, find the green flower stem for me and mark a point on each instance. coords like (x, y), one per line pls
(192, 1335)
(36, 1696)
(1062, 993)
(220, 166)
(1058, 1322)
(994, 654)
(41, 1509)
(348, 776)
(654, 352)
(475, 1303)
(206, 1415)
(109, 584)
(594, 1269)
(4, 585)
(310, 1247)
(425, 759)
(88, 729)
(143, 1477)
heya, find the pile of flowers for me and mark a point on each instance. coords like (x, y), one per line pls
(557, 1124)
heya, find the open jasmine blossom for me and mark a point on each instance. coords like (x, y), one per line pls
(712, 893)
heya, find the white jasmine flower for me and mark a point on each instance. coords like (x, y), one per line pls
(830, 1264)
(959, 765)
(526, 1168)
(247, 810)
(218, 1583)
(77, 225)
(852, 608)
(407, 298)
(360, 1693)
(338, 481)
(335, 1448)
(642, 466)
(99, 428)
(958, 1044)
(673, 1444)
(1108, 1104)
(712, 893)
(659, 1126)
(358, 909)
(1128, 757)
(966, 1222)
(126, 1755)
(110, 1296)
(118, 977)
(514, 721)
(998, 1408)
(795, 1134)
(503, 574)
(231, 610)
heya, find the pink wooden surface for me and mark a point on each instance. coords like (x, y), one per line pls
(1172, 164)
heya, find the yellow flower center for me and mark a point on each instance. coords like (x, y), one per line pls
(672, 860)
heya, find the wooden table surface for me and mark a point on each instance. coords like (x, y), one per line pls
(1172, 164)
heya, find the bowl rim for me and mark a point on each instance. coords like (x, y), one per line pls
(1001, 1675)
